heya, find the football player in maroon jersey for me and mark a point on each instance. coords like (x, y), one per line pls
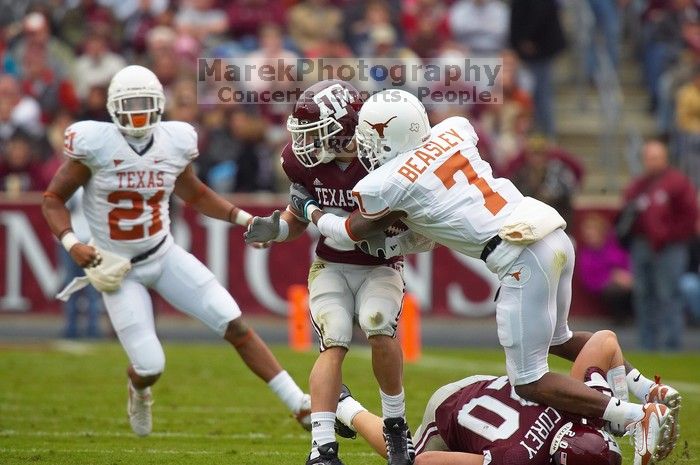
(480, 420)
(345, 284)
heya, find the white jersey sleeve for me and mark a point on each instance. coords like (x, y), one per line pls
(375, 197)
(183, 138)
(84, 141)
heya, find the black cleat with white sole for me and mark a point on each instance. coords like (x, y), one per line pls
(328, 455)
(399, 445)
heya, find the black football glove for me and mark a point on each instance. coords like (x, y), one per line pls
(300, 201)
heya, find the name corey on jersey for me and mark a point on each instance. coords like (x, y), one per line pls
(538, 434)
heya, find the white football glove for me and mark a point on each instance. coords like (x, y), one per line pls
(108, 275)
(263, 228)
(402, 244)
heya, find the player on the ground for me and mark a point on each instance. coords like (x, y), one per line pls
(480, 420)
(345, 284)
(129, 169)
(434, 180)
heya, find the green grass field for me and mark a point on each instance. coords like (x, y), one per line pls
(65, 404)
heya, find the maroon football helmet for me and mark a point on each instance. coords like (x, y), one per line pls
(576, 444)
(323, 121)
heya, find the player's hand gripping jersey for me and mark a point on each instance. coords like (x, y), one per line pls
(448, 193)
(126, 201)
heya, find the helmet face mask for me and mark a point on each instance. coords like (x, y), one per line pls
(312, 140)
(370, 149)
(135, 101)
(323, 122)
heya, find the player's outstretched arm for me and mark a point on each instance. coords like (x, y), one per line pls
(70, 176)
(277, 227)
(352, 229)
(207, 202)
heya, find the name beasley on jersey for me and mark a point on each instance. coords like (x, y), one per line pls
(335, 197)
(142, 179)
(428, 153)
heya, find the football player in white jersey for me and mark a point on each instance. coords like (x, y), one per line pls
(129, 169)
(434, 180)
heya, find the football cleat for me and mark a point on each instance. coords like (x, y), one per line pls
(664, 394)
(651, 435)
(668, 396)
(341, 429)
(138, 408)
(328, 455)
(399, 446)
(303, 416)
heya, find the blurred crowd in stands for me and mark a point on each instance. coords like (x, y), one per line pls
(58, 56)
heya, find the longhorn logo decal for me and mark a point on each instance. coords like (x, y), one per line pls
(380, 127)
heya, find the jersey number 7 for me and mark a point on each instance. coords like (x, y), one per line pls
(116, 232)
(493, 201)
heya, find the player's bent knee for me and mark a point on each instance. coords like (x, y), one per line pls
(375, 320)
(237, 332)
(220, 310)
(333, 324)
(605, 336)
(150, 364)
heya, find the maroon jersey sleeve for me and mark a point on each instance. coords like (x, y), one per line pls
(332, 186)
(488, 418)
(291, 166)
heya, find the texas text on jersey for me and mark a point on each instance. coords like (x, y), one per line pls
(126, 201)
(331, 186)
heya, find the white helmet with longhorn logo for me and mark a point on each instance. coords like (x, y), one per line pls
(390, 122)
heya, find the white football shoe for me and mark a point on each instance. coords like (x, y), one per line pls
(303, 416)
(138, 408)
(651, 435)
(668, 396)
(664, 394)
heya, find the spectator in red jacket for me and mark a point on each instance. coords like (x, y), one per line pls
(666, 205)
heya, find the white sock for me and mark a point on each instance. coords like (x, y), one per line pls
(621, 413)
(347, 409)
(639, 385)
(322, 430)
(393, 406)
(617, 379)
(287, 390)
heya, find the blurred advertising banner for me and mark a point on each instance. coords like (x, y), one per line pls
(445, 283)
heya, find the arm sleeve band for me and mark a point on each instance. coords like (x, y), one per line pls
(333, 227)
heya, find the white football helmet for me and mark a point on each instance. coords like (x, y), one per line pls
(135, 100)
(390, 122)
